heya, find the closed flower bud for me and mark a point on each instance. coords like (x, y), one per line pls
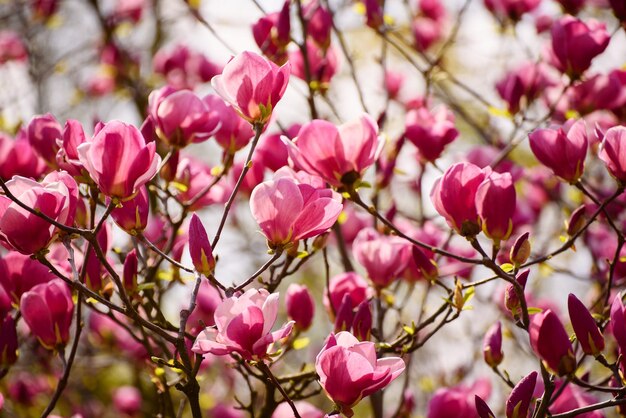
(520, 251)
(585, 327)
(562, 150)
(426, 265)
(8, 342)
(132, 216)
(200, 247)
(577, 220)
(495, 204)
(618, 322)
(518, 402)
(300, 306)
(492, 345)
(511, 300)
(130, 272)
(482, 409)
(550, 342)
(47, 309)
(344, 314)
(362, 323)
(44, 133)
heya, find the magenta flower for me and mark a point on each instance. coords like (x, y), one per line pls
(492, 345)
(132, 217)
(233, 133)
(287, 211)
(340, 155)
(362, 322)
(482, 409)
(26, 232)
(20, 273)
(521, 86)
(243, 326)
(200, 247)
(576, 43)
(305, 409)
(454, 197)
(349, 370)
(550, 342)
(182, 118)
(272, 34)
(323, 64)
(587, 332)
(430, 131)
(19, 158)
(47, 309)
(300, 305)
(319, 24)
(384, 257)
(67, 156)
(618, 322)
(518, 402)
(458, 401)
(119, 160)
(346, 283)
(129, 276)
(495, 204)
(252, 85)
(11, 47)
(44, 133)
(510, 9)
(563, 149)
(612, 154)
(127, 400)
(191, 177)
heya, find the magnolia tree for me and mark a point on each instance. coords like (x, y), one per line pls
(369, 209)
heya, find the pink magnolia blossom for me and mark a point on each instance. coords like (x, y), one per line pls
(184, 68)
(576, 43)
(11, 47)
(132, 216)
(20, 273)
(319, 23)
(19, 158)
(252, 85)
(233, 133)
(127, 400)
(519, 400)
(550, 342)
(495, 204)
(119, 160)
(305, 409)
(349, 370)
(426, 32)
(287, 211)
(492, 345)
(454, 197)
(272, 34)
(25, 231)
(243, 326)
(44, 133)
(340, 155)
(612, 152)
(563, 149)
(587, 332)
(67, 156)
(510, 9)
(200, 247)
(192, 176)
(300, 305)
(47, 309)
(348, 283)
(323, 65)
(522, 85)
(430, 131)
(571, 398)
(182, 118)
(384, 257)
(458, 401)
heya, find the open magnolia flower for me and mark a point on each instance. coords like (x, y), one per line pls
(349, 370)
(243, 326)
